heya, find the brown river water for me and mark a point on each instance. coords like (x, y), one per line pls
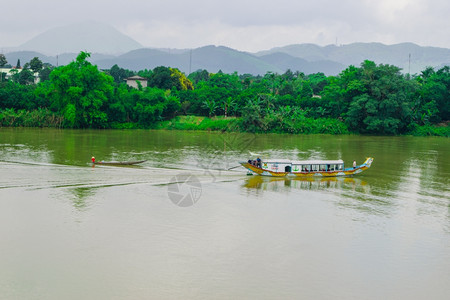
(187, 224)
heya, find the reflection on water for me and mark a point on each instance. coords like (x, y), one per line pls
(350, 192)
(81, 196)
(279, 183)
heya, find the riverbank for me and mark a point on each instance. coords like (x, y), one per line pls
(47, 118)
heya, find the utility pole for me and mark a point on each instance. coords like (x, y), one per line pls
(190, 61)
(409, 65)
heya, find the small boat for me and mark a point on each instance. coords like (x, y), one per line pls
(118, 163)
(304, 168)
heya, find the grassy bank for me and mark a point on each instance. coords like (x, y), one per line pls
(34, 118)
(201, 123)
(304, 126)
(428, 130)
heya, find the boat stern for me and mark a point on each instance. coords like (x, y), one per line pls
(251, 167)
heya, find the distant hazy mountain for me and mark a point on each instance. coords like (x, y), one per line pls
(354, 54)
(86, 36)
(285, 61)
(210, 58)
(109, 47)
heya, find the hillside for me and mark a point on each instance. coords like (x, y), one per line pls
(285, 61)
(108, 47)
(354, 54)
(211, 58)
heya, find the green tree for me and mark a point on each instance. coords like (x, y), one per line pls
(14, 75)
(44, 74)
(145, 73)
(211, 106)
(228, 106)
(154, 105)
(197, 76)
(434, 96)
(80, 92)
(18, 96)
(26, 76)
(36, 65)
(3, 60)
(161, 78)
(318, 82)
(120, 74)
(382, 103)
(305, 90)
(180, 81)
(122, 103)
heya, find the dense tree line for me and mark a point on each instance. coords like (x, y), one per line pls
(369, 99)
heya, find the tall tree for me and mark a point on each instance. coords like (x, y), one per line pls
(119, 74)
(382, 103)
(36, 64)
(3, 60)
(180, 81)
(161, 78)
(44, 74)
(26, 76)
(434, 101)
(81, 92)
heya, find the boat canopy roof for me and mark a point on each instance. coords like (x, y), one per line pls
(304, 162)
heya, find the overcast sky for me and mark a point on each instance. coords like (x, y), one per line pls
(247, 25)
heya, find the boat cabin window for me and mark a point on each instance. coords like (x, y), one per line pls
(339, 167)
(315, 168)
(305, 168)
(323, 167)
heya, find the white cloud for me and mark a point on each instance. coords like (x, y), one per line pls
(245, 25)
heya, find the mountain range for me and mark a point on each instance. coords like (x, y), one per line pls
(109, 47)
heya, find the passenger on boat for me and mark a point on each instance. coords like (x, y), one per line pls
(354, 164)
(93, 160)
(258, 162)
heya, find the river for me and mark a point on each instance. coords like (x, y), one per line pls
(186, 224)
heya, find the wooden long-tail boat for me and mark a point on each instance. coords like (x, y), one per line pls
(304, 168)
(118, 163)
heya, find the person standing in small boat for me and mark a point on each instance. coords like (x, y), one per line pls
(93, 160)
(258, 162)
(354, 164)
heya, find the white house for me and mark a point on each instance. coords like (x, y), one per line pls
(11, 71)
(133, 81)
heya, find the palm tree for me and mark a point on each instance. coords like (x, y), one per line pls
(228, 103)
(211, 106)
